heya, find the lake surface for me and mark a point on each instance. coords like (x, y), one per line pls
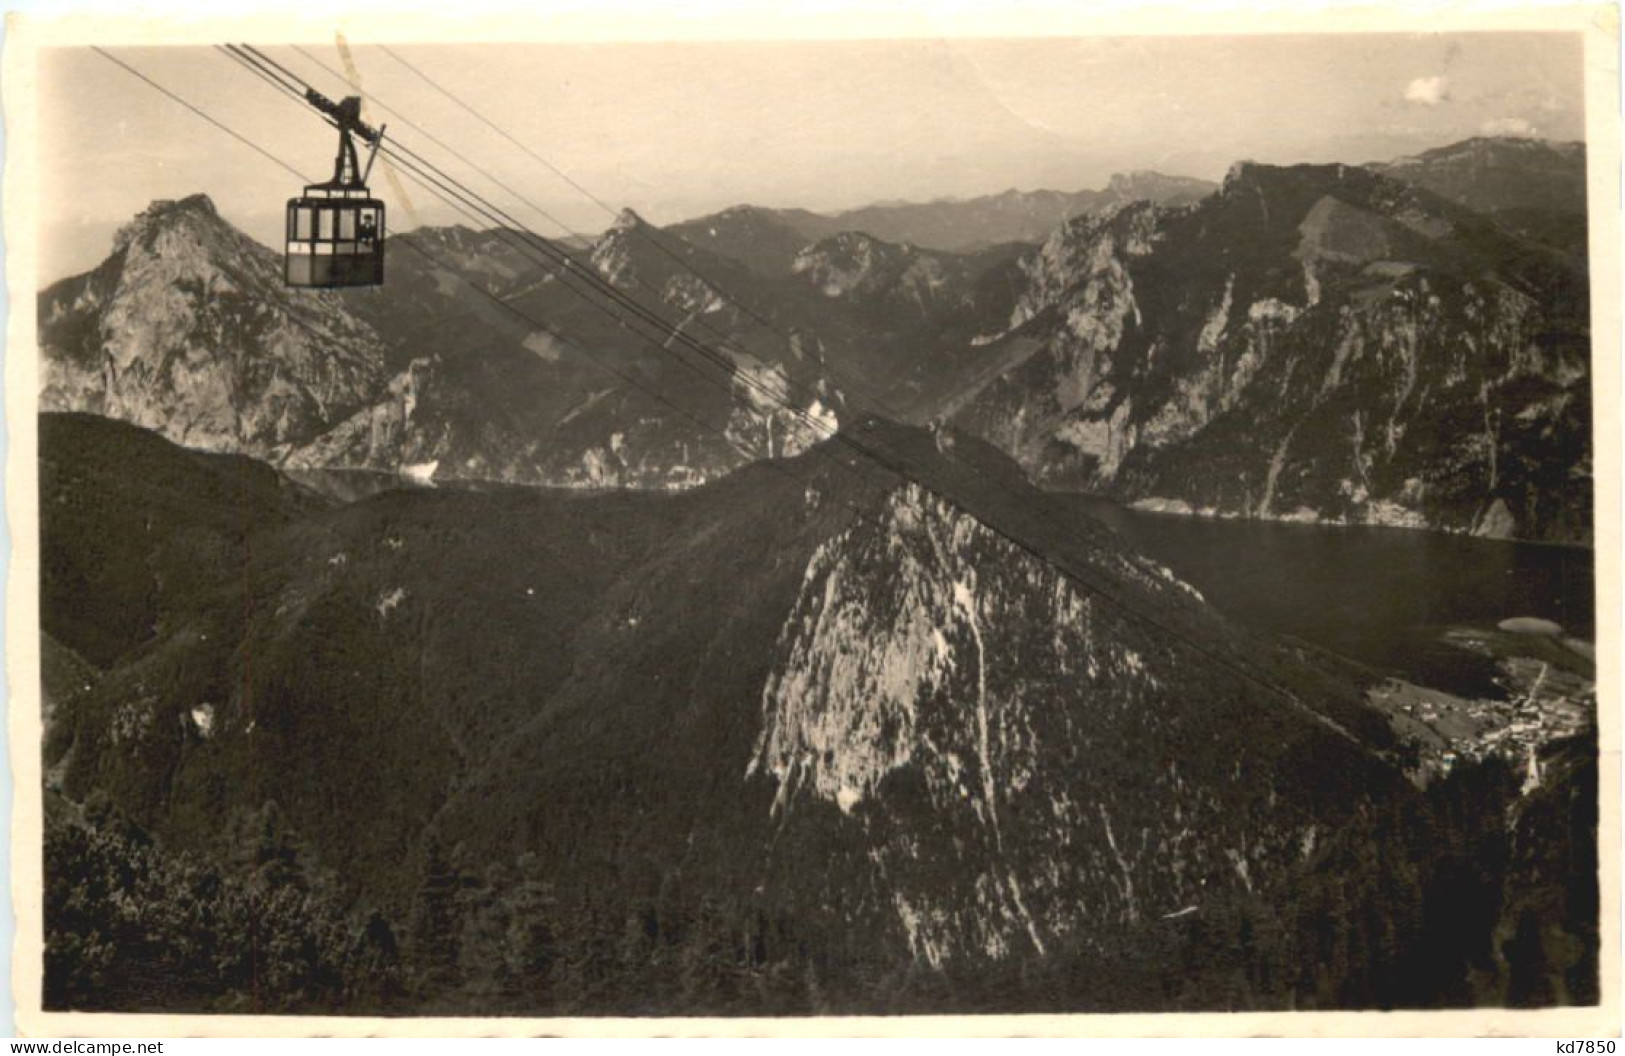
(1380, 596)
(353, 485)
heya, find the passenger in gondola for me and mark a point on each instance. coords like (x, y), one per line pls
(335, 229)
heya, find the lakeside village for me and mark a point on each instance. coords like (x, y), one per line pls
(1550, 694)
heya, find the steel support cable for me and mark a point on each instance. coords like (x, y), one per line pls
(642, 231)
(809, 392)
(609, 210)
(464, 207)
(459, 201)
(230, 50)
(872, 401)
(280, 85)
(446, 187)
(847, 387)
(276, 73)
(450, 185)
(1127, 610)
(648, 234)
(222, 127)
(876, 457)
(310, 329)
(868, 453)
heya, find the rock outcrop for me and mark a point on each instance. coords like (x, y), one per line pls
(1315, 343)
(187, 329)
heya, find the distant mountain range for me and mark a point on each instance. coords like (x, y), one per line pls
(187, 328)
(1535, 188)
(953, 225)
(808, 696)
(1404, 343)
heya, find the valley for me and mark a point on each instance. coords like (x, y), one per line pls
(1175, 596)
(527, 722)
(1352, 344)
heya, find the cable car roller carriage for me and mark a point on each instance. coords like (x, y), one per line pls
(336, 229)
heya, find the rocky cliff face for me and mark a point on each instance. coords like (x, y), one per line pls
(893, 730)
(877, 276)
(187, 329)
(1000, 742)
(1319, 343)
(1312, 343)
(930, 671)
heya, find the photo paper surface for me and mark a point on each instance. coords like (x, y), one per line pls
(751, 525)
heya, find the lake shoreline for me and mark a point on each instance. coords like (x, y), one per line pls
(1165, 508)
(1386, 599)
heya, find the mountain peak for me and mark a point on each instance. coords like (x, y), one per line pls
(199, 203)
(164, 213)
(170, 209)
(627, 220)
(175, 289)
(1239, 172)
(1148, 183)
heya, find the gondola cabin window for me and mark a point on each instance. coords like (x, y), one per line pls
(335, 230)
(335, 242)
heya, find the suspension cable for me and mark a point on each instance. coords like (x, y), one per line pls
(647, 233)
(643, 231)
(460, 199)
(1125, 609)
(537, 242)
(445, 186)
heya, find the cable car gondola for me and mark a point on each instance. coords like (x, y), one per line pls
(336, 229)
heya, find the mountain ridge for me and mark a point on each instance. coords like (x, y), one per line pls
(188, 328)
(1535, 188)
(899, 764)
(434, 374)
(961, 225)
(392, 584)
(1145, 337)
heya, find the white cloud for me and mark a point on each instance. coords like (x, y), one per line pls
(1507, 126)
(1428, 91)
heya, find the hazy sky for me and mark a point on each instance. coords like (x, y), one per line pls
(675, 130)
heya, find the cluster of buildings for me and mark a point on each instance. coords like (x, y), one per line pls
(1543, 703)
